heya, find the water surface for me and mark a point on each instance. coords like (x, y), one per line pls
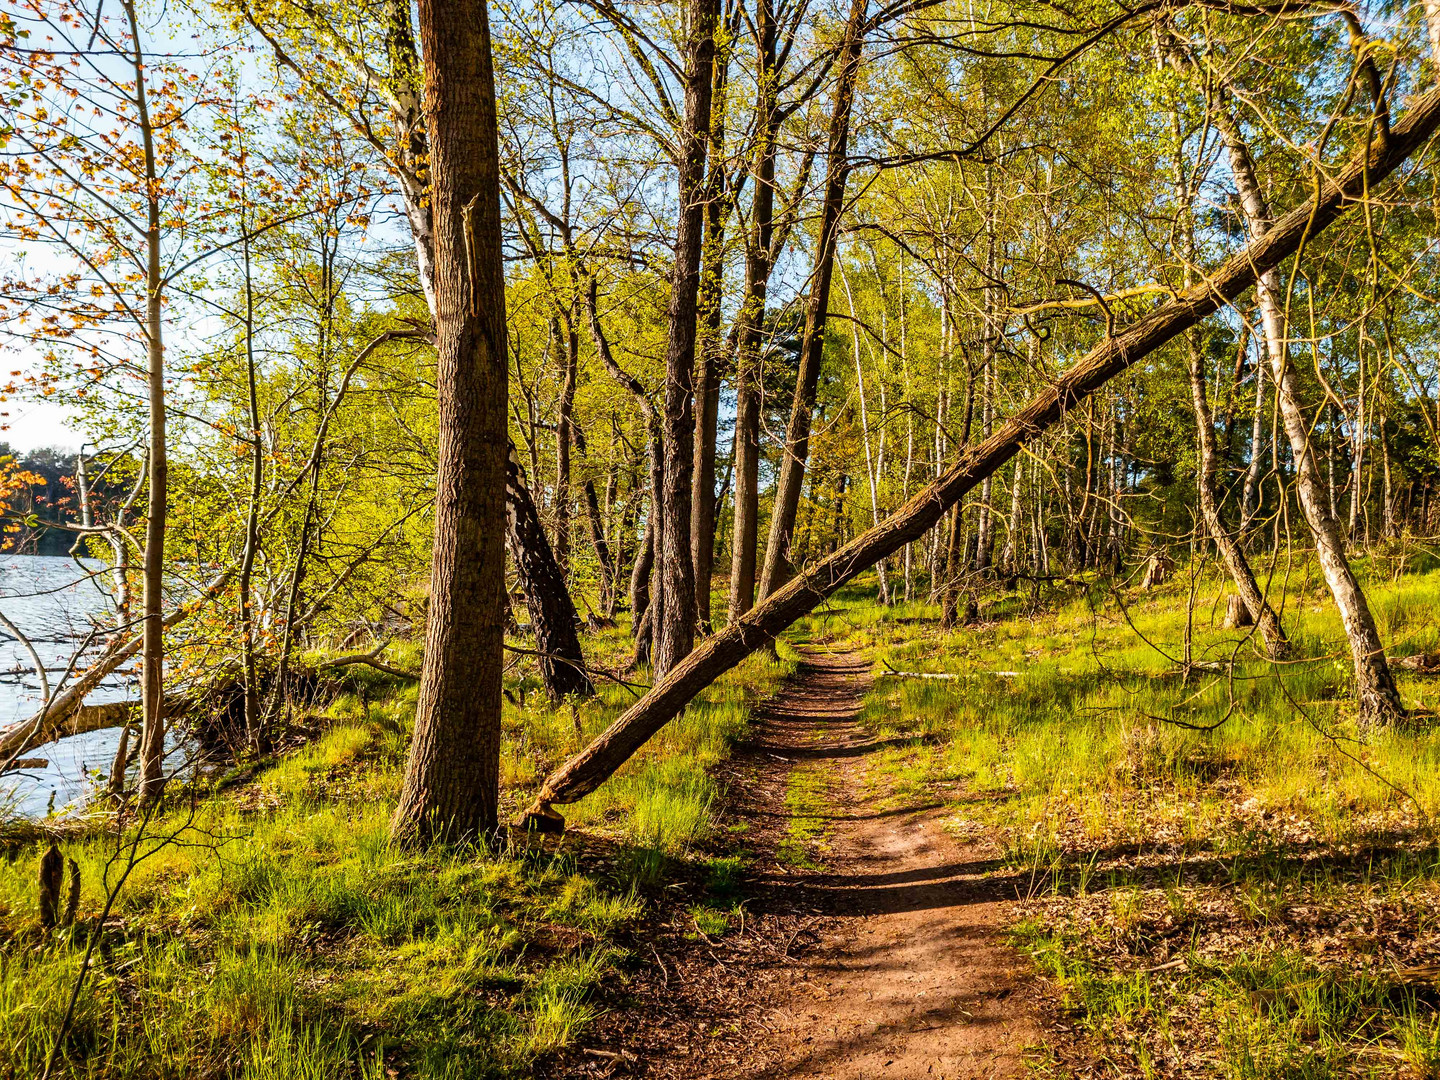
(55, 602)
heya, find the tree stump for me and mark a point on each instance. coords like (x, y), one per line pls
(52, 872)
(72, 896)
(1157, 570)
(1237, 614)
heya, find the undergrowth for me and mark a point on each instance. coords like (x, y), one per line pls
(1219, 873)
(281, 935)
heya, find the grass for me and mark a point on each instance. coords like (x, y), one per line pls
(1285, 858)
(1218, 873)
(807, 797)
(282, 936)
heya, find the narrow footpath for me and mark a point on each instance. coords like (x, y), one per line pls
(910, 975)
(872, 944)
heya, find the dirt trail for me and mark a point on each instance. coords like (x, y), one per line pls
(888, 961)
(910, 976)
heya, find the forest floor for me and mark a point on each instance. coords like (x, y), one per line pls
(1093, 835)
(877, 942)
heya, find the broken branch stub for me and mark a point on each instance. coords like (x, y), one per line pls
(614, 746)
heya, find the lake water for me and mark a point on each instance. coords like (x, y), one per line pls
(55, 602)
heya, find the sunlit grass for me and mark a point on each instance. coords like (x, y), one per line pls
(282, 935)
(1073, 740)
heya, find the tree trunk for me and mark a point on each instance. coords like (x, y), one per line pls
(675, 627)
(751, 323)
(412, 170)
(554, 621)
(587, 770)
(1375, 692)
(708, 374)
(596, 523)
(152, 654)
(777, 568)
(1231, 554)
(1250, 495)
(1228, 545)
(567, 344)
(452, 774)
(254, 736)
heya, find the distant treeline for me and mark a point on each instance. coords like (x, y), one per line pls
(56, 498)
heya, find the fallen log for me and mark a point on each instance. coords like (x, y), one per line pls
(50, 723)
(586, 770)
(24, 737)
(895, 673)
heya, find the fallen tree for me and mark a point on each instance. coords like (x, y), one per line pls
(65, 713)
(589, 768)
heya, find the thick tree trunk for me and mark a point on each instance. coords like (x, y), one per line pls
(1375, 692)
(751, 323)
(412, 171)
(777, 568)
(552, 616)
(452, 775)
(588, 769)
(675, 627)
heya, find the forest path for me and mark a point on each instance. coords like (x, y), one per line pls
(910, 976)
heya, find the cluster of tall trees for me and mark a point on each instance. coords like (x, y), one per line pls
(698, 310)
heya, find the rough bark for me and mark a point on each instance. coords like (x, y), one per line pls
(777, 567)
(409, 160)
(553, 620)
(452, 780)
(675, 627)
(588, 769)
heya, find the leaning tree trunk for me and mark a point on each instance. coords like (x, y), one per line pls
(585, 771)
(1375, 692)
(777, 568)
(1227, 544)
(552, 616)
(452, 774)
